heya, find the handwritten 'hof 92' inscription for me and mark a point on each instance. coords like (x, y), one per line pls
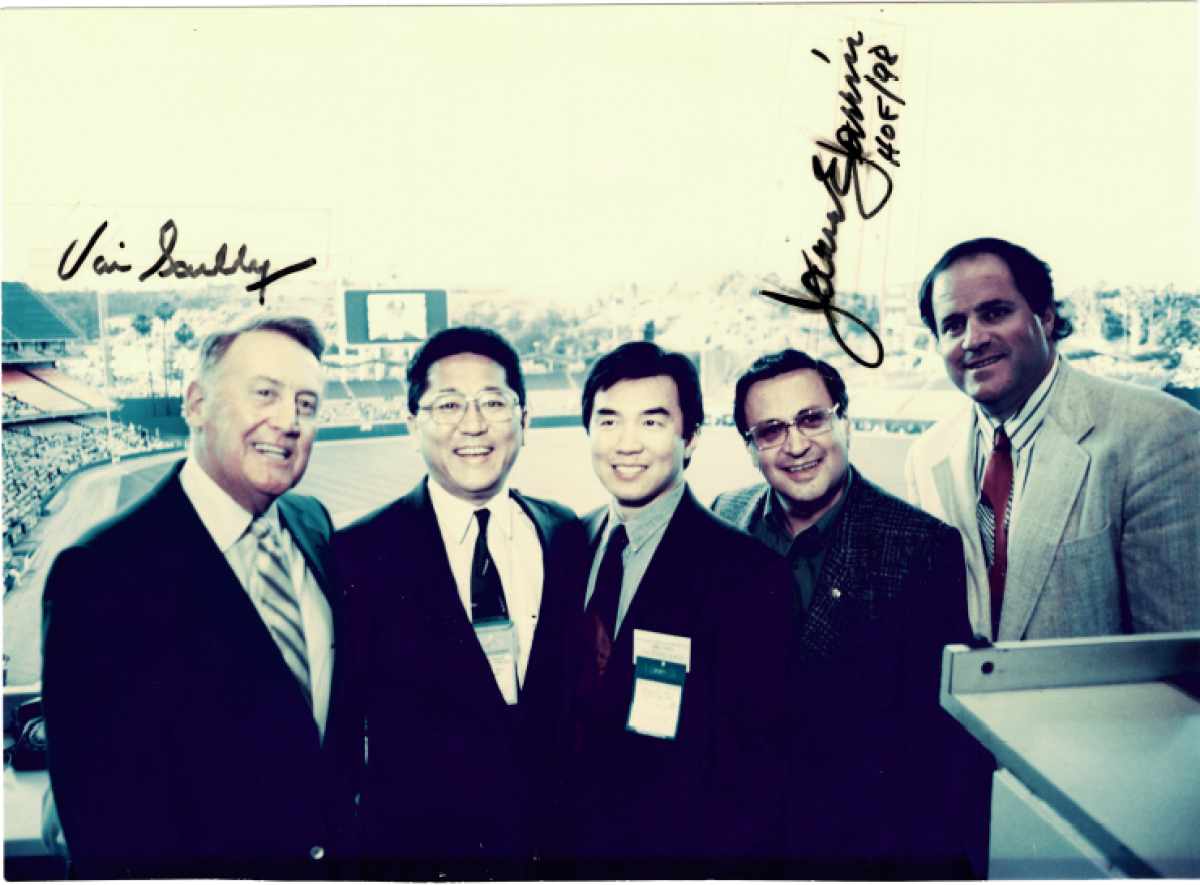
(844, 171)
(169, 266)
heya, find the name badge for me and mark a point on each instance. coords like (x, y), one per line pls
(498, 639)
(661, 664)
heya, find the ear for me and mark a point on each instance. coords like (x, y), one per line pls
(195, 406)
(689, 447)
(1047, 320)
(524, 423)
(413, 432)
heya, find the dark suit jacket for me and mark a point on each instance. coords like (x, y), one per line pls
(708, 802)
(883, 782)
(458, 783)
(180, 744)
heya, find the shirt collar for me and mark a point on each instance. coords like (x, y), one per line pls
(649, 522)
(225, 519)
(456, 515)
(1022, 426)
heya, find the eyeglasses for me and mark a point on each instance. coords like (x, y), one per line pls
(451, 408)
(812, 423)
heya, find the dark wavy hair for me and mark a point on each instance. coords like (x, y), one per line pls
(775, 364)
(1030, 274)
(644, 359)
(463, 339)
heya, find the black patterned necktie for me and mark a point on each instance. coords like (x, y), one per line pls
(606, 595)
(487, 592)
(278, 605)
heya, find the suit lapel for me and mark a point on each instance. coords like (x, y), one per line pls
(550, 611)
(671, 570)
(954, 477)
(435, 595)
(310, 536)
(594, 523)
(218, 606)
(1051, 489)
(839, 592)
(754, 510)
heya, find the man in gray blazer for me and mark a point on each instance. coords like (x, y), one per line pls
(1077, 497)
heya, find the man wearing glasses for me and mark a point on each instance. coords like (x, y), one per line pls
(883, 784)
(461, 591)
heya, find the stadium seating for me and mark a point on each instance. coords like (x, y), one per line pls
(68, 385)
(37, 457)
(32, 391)
(29, 317)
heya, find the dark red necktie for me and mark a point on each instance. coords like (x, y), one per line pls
(606, 596)
(997, 489)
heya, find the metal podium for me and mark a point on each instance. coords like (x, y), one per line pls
(1098, 746)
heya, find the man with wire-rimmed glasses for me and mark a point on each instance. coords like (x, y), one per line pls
(461, 591)
(883, 784)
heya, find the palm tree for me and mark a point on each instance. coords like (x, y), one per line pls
(143, 325)
(183, 337)
(164, 312)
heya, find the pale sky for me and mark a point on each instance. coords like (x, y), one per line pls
(567, 150)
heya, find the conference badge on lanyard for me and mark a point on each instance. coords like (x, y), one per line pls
(499, 642)
(661, 663)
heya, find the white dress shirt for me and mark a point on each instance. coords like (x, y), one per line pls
(512, 540)
(1022, 430)
(229, 523)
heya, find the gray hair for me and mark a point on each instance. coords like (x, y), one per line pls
(300, 329)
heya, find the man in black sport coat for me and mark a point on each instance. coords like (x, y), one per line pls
(680, 763)
(463, 680)
(191, 732)
(883, 783)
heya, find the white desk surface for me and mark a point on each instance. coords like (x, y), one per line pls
(1127, 755)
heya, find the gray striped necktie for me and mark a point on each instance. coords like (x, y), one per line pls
(278, 604)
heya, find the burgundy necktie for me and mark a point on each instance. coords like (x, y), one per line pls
(606, 596)
(997, 489)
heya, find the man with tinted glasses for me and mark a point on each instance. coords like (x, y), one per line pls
(882, 779)
(461, 590)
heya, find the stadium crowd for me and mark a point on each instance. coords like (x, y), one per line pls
(37, 458)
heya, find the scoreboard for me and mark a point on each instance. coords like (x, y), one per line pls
(394, 316)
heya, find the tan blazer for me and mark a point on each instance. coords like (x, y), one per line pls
(1106, 539)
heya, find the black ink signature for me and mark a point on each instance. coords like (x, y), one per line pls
(818, 282)
(168, 266)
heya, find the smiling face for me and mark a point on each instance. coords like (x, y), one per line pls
(638, 449)
(254, 417)
(471, 459)
(808, 474)
(996, 349)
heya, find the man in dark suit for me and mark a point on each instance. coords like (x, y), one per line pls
(191, 686)
(683, 648)
(881, 777)
(461, 591)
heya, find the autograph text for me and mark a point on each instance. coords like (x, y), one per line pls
(169, 266)
(840, 175)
